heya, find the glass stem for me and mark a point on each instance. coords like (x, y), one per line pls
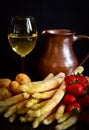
(23, 64)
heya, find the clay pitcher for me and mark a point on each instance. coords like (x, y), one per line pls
(58, 54)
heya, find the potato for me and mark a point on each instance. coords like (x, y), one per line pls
(4, 93)
(22, 78)
(14, 87)
(4, 83)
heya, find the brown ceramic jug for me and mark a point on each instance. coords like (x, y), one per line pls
(58, 54)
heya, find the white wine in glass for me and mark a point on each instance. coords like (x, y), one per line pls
(22, 35)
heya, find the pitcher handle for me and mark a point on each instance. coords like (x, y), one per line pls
(79, 37)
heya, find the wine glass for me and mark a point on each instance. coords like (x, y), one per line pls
(22, 36)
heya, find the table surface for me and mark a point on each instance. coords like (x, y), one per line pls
(17, 125)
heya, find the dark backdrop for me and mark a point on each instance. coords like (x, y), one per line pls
(70, 14)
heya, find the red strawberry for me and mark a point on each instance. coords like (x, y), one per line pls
(83, 81)
(74, 108)
(71, 79)
(75, 89)
(68, 99)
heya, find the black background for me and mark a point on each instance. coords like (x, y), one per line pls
(70, 14)
(67, 14)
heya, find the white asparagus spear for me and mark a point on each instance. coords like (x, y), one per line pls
(44, 95)
(14, 108)
(49, 119)
(79, 69)
(38, 105)
(14, 99)
(12, 118)
(65, 116)
(26, 118)
(31, 102)
(37, 121)
(60, 111)
(67, 123)
(44, 85)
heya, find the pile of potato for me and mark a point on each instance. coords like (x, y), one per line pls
(10, 93)
(38, 101)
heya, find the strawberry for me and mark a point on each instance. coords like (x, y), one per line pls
(75, 89)
(74, 108)
(68, 99)
(71, 79)
(83, 81)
